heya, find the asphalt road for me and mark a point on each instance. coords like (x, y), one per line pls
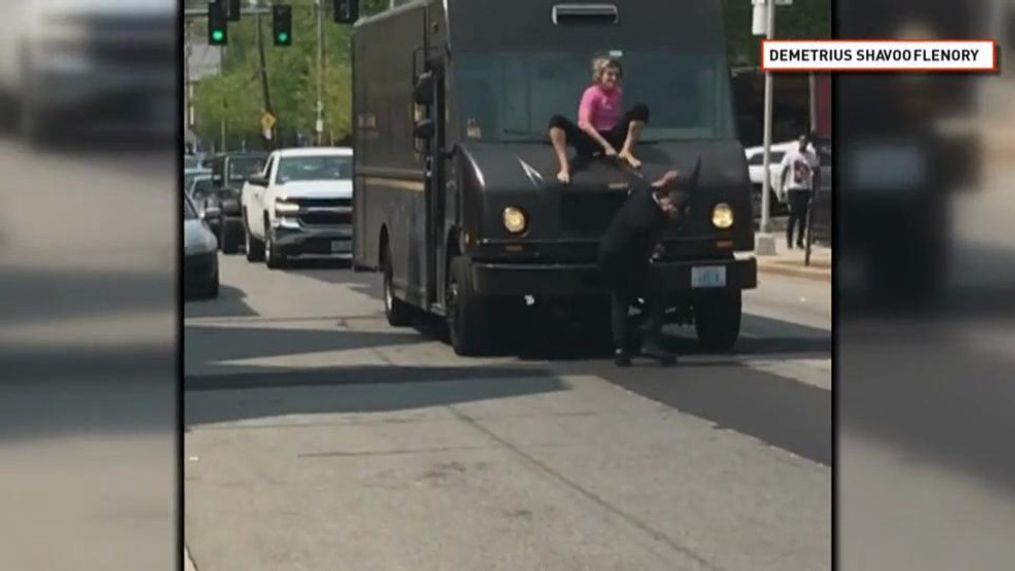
(318, 437)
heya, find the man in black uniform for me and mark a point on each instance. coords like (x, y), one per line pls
(624, 260)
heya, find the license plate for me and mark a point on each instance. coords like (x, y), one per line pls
(341, 247)
(708, 276)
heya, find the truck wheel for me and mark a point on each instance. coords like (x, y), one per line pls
(398, 312)
(467, 325)
(254, 247)
(273, 256)
(228, 239)
(717, 320)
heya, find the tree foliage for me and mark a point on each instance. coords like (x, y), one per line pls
(803, 19)
(236, 98)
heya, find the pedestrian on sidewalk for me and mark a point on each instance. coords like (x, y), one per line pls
(799, 165)
(625, 262)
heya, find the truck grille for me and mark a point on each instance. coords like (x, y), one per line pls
(325, 211)
(589, 213)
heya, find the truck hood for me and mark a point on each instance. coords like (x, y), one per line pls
(532, 166)
(315, 189)
(523, 175)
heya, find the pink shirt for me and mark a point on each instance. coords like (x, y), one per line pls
(600, 107)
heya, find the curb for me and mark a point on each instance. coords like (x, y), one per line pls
(814, 274)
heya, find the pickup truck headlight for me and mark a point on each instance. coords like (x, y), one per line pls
(722, 216)
(514, 220)
(285, 208)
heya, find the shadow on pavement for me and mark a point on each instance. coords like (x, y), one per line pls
(204, 345)
(917, 387)
(375, 388)
(229, 303)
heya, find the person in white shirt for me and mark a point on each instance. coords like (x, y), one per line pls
(797, 173)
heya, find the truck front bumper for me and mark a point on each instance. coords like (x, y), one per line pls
(500, 278)
(297, 240)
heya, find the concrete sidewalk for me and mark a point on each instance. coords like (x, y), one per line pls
(791, 262)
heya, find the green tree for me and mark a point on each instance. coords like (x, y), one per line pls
(804, 19)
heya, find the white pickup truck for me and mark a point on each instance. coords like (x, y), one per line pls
(299, 204)
(70, 67)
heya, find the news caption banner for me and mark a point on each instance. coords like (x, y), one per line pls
(925, 56)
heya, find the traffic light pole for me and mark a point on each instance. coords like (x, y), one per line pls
(264, 73)
(765, 242)
(319, 125)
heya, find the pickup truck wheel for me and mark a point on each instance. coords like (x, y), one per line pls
(717, 320)
(468, 327)
(273, 256)
(398, 312)
(254, 247)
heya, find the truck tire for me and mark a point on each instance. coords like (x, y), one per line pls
(717, 320)
(254, 247)
(468, 328)
(228, 238)
(273, 256)
(398, 312)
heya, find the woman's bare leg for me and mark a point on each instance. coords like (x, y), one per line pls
(633, 133)
(559, 139)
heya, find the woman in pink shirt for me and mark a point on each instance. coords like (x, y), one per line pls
(602, 127)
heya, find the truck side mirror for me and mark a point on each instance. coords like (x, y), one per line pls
(258, 180)
(422, 93)
(424, 129)
(346, 11)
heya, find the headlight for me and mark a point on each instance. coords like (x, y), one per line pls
(284, 208)
(514, 220)
(722, 216)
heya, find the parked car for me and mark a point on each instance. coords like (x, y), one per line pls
(299, 204)
(201, 190)
(200, 254)
(190, 174)
(755, 169)
(229, 171)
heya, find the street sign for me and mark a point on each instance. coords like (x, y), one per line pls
(267, 121)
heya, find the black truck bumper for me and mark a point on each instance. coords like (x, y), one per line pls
(498, 278)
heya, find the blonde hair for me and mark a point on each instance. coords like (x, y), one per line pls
(601, 64)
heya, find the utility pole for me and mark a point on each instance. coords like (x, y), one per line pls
(320, 73)
(765, 240)
(264, 74)
(187, 88)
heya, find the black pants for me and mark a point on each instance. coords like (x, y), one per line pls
(585, 145)
(798, 203)
(625, 287)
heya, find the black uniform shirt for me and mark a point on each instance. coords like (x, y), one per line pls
(634, 231)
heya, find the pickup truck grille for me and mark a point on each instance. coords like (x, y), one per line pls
(325, 211)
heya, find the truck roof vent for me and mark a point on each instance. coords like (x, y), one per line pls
(585, 14)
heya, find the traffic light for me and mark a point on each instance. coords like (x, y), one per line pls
(346, 11)
(218, 29)
(282, 24)
(232, 10)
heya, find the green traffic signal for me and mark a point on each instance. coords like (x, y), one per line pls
(282, 24)
(217, 35)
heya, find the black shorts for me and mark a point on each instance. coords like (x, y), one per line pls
(587, 146)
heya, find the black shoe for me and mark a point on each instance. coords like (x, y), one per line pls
(789, 245)
(622, 358)
(657, 352)
(800, 245)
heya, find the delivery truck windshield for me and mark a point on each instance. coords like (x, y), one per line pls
(510, 95)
